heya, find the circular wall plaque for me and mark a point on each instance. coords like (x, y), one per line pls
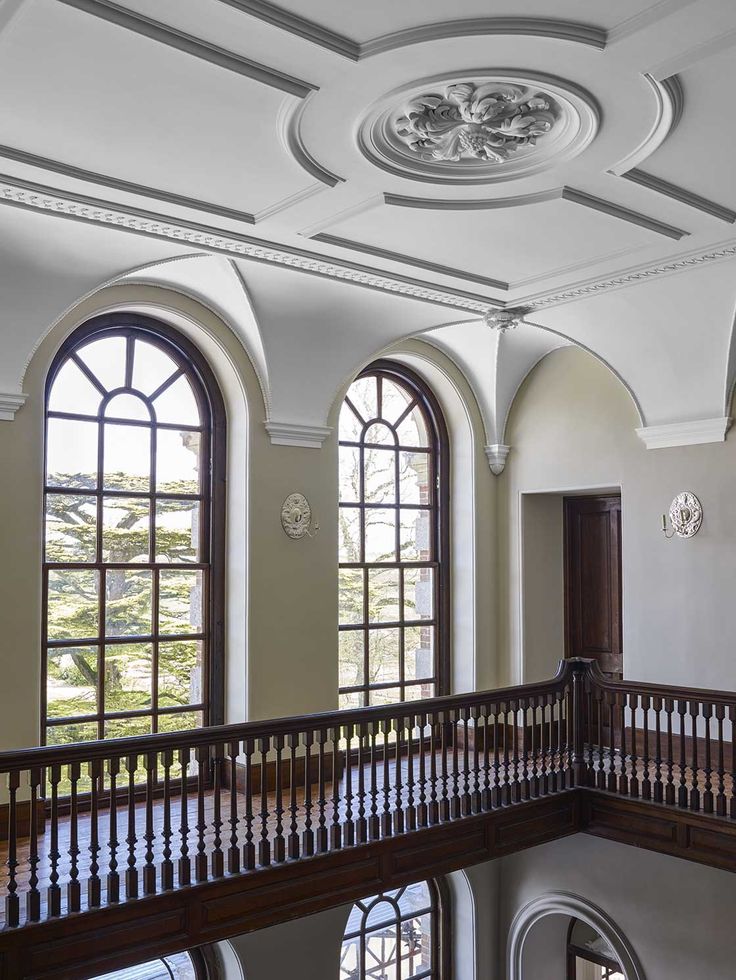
(686, 514)
(296, 515)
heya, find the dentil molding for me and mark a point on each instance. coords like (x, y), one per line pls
(684, 433)
(296, 434)
(496, 456)
(10, 404)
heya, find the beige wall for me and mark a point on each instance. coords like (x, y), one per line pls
(572, 428)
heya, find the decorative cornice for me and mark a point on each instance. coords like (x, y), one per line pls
(114, 183)
(9, 404)
(296, 434)
(684, 433)
(26, 194)
(560, 30)
(496, 456)
(434, 267)
(308, 30)
(148, 27)
(676, 193)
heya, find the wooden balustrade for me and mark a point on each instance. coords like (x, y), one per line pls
(89, 827)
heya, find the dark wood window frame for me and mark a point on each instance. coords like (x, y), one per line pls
(191, 364)
(439, 508)
(439, 909)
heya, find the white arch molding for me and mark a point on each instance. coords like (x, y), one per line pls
(567, 904)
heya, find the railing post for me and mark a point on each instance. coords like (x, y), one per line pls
(579, 766)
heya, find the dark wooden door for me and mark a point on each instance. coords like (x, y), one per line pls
(593, 581)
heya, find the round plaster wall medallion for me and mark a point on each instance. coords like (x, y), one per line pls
(686, 514)
(478, 127)
(296, 515)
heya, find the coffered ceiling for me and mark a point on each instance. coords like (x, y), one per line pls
(334, 176)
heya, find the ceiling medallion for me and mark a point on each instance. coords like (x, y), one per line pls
(508, 319)
(479, 127)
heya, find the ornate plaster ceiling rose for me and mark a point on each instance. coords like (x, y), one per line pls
(478, 127)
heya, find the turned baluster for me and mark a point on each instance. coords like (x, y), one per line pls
(506, 784)
(422, 811)
(658, 785)
(184, 863)
(12, 901)
(374, 823)
(669, 792)
(94, 885)
(293, 845)
(562, 716)
(623, 786)
(475, 797)
(167, 865)
(612, 782)
(485, 796)
(534, 782)
(336, 831)
(149, 868)
(233, 853)
(524, 787)
(218, 858)
(543, 782)
(73, 888)
(411, 813)
(446, 735)
(600, 773)
(434, 807)
(708, 788)
(361, 829)
(694, 787)
(466, 801)
(202, 755)
(721, 796)
(634, 781)
(279, 843)
(33, 896)
(249, 847)
(53, 895)
(264, 844)
(321, 799)
(131, 839)
(732, 717)
(646, 783)
(386, 822)
(590, 736)
(682, 789)
(113, 876)
(516, 776)
(552, 780)
(398, 815)
(455, 801)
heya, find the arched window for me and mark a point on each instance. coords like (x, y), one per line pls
(396, 936)
(589, 955)
(178, 966)
(134, 524)
(393, 540)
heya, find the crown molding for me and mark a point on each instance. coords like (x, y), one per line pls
(296, 434)
(78, 207)
(680, 194)
(560, 30)
(684, 433)
(645, 18)
(426, 266)
(10, 403)
(497, 455)
(126, 186)
(292, 23)
(148, 27)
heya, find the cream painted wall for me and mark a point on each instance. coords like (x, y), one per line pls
(572, 428)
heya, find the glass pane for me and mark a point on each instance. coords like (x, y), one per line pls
(127, 406)
(349, 962)
(413, 430)
(395, 401)
(383, 595)
(180, 967)
(66, 734)
(151, 367)
(419, 652)
(127, 457)
(418, 593)
(383, 655)
(73, 605)
(180, 722)
(380, 435)
(125, 529)
(177, 461)
(349, 534)
(128, 669)
(379, 466)
(71, 682)
(72, 391)
(180, 601)
(177, 530)
(380, 535)
(414, 478)
(71, 453)
(350, 425)
(419, 692)
(382, 914)
(380, 954)
(349, 474)
(124, 728)
(180, 673)
(416, 945)
(415, 535)
(177, 404)
(128, 602)
(71, 527)
(105, 358)
(356, 699)
(350, 657)
(363, 394)
(351, 595)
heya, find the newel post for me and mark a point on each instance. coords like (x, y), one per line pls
(579, 768)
